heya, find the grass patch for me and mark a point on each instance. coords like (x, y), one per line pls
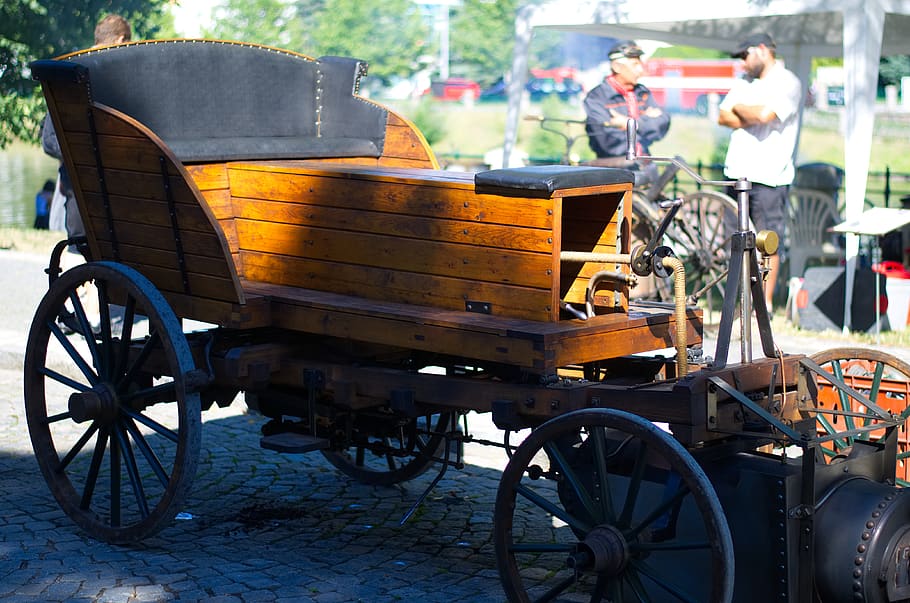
(29, 240)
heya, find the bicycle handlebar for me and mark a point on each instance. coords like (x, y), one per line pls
(631, 155)
(542, 119)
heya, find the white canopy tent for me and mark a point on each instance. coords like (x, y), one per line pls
(862, 31)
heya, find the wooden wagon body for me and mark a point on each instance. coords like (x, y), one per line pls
(363, 300)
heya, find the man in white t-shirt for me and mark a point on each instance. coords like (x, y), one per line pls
(763, 110)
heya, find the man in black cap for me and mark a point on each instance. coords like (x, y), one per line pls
(763, 110)
(610, 105)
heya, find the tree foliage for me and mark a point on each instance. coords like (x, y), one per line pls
(482, 37)
(892, 69)
(390, 35)
(35, 29)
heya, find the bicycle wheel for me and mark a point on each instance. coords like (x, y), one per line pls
(704, 243)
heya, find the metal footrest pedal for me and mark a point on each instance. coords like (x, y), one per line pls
(292, 442)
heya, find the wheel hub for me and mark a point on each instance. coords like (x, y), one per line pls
(99, 403)
(604, 550)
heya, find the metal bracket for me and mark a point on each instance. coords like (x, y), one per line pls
(766, 416)
(478, 307)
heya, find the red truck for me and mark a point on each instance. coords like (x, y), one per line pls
(684, 85)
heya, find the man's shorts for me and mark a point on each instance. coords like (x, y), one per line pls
(767, 208)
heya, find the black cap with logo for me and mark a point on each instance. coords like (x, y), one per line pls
(627, 49)
(751, 41)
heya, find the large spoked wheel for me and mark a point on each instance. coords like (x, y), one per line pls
(884, 378)
(706, 249)
(601, 505)
(388, 451)
(115, 430)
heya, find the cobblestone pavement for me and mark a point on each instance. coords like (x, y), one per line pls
(258, 525)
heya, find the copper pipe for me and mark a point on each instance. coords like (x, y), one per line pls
(679, 295)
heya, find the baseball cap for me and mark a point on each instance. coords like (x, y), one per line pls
(756, 39)
(626, 48)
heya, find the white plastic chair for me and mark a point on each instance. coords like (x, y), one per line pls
(812, 214)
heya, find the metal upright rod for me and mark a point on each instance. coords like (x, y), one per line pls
(745, 291)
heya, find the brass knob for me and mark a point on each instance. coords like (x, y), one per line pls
(767, 242)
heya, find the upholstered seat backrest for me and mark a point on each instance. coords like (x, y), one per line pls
(216, 101)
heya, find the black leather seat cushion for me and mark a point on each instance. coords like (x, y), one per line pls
(544, 180)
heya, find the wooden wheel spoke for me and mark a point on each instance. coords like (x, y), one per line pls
(63, 379)
(653, 575)
(77, 447)
(844, 398)
(147, 452)
(90, 375)
(830, 429)
(155, 426)
(148, 347)
(126, 333)
(115, 479)
(104, 325)
(543, 547)
(558, 588)
(600, 590)
(553, 509)
(91, 478)
(572, 479)
(876, 380)
(391, 463)
(638, 589)
(600, 467)
(86, 328)
(132, 470)
(638, 472)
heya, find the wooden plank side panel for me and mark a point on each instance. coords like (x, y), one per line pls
(190, 217)
(404, 141)
(496, 236)
(397, 253)
(158, 238)
(195, 264)
(428, 199)
(212, 181)
(132, 205)
(398, 286)
(132, 153)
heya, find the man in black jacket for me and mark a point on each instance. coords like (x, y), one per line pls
(610, 105)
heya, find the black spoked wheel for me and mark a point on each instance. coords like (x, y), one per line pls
(114, 428)
(601, 505)
(387, 450)
(884, 378)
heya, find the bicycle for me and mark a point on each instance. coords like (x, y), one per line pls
(696, 234)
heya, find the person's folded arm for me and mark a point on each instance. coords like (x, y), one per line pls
(729, 119)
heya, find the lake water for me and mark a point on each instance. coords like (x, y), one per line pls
(23, 171)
